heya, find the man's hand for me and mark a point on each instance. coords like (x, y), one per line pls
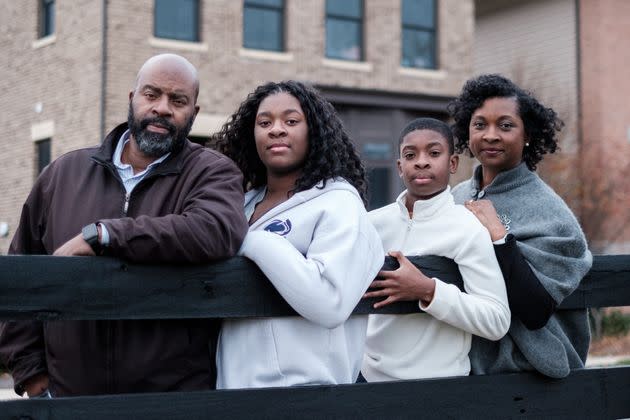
(36, 385)
(74, 247)
(487, 215)
(405, 283)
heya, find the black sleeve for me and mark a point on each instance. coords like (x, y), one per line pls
(529, 300)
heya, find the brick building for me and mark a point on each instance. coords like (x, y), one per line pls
(573, 54)
(70, 65)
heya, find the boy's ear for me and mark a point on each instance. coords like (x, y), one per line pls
(453, 162)
(399, 166)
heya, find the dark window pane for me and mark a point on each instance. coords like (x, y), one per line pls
(177, 19)
(418, 49)
(47, 26)
(43, 154)
(419, 13)
(343, 39)
(262, 29)
(378, 187)
(271, 3)
(345, 8)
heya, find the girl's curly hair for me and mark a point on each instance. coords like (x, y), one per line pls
(541, 124)
(331, 153)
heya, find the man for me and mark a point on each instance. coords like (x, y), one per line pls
(147, 194)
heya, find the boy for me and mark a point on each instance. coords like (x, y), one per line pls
(425, 221)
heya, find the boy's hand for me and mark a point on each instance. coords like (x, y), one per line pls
(405, 283)
(487, 215)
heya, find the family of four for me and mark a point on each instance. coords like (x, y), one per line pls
(284, 186)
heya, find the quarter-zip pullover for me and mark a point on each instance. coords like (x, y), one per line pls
(436, 343)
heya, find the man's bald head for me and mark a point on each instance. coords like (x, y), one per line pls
(173, 64)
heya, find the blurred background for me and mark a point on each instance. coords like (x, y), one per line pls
(69, 65)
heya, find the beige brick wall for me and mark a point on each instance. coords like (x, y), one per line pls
(61, 74)
(65, 75)
(228, 72)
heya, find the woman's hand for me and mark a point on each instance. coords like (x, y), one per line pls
(487, 215)
(404, 283)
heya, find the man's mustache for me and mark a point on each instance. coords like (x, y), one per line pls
(158, 121)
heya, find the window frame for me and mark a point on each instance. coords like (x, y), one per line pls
(38, 154)
(197, 24)
(360, 20)
(417, 28)
(253, 4)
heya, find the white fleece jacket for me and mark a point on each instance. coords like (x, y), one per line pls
(320, 251)
(436, 343)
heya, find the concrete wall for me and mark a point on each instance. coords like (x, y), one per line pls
(534, 43)
(605, 123)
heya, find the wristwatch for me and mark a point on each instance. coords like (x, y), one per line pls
(90, 235)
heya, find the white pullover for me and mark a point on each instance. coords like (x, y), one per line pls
(320, 251)
(436, 343)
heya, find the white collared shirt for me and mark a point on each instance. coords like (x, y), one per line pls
(129, 179)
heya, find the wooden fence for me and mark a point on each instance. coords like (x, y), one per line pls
(52, 288)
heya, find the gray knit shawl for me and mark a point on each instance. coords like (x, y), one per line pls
(551, 240)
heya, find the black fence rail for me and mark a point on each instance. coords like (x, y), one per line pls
(51, 288)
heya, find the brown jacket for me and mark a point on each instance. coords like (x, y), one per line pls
(187, 209)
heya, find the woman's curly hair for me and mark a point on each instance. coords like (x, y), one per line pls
(331, 153)
(541, 124)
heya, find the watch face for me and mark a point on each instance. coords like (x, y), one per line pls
(90, 235)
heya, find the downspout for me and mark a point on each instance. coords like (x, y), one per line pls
(580, 157)
(103, 70)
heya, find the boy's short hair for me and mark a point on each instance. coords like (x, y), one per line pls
(430, 124)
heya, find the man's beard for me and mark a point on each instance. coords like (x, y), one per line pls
(157, 144)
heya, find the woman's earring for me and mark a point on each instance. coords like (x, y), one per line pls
(526, 144)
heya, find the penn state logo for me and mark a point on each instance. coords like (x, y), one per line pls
(281, 227)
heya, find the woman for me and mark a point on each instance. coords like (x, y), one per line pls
(309, 233)
(538, 242)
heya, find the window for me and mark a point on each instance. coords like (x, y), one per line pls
(43, 154)
(46, 18)
(418, 33)
(344, 29)
(378, 157)
(177, 19)
(263, 24)
(378, 180)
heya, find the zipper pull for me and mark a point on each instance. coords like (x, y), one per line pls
(126, 205)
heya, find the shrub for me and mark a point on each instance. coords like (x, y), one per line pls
(615, 323)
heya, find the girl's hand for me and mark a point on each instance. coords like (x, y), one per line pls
(487, 215)
(405, 283)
